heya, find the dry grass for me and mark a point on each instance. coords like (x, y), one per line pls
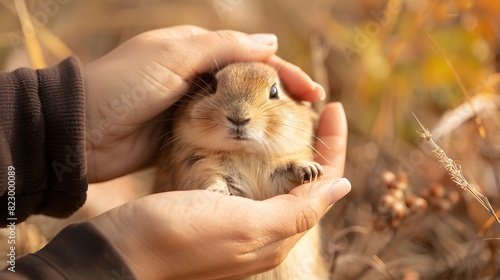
(455, 171)
(376, 57)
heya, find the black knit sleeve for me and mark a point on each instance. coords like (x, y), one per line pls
(42, 145)
(78, 252)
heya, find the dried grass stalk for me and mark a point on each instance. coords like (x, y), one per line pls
(455, 171)
(30, 40)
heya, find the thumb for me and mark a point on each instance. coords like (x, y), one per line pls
(301, 209)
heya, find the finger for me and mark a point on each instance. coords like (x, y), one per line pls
(287, 215)
(297, 82)
(177, 61)
(177, 32)
(332, 133)
(219, 48)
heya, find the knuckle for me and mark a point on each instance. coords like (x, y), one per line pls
(230, 36)
(306, 219)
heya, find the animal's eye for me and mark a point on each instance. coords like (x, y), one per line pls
(273, 92)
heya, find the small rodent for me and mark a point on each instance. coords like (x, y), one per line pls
(243, 135)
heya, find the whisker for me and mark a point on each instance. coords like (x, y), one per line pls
(307, 132)
(216, 64)
(204, 88)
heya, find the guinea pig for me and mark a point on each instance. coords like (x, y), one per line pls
(242, 134)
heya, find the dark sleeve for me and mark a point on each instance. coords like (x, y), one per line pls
(42, 145)
(78, 252)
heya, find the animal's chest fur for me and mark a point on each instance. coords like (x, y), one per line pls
(245, 174)
(255, 177)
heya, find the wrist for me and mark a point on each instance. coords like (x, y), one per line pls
(92, 136)
(129, 241)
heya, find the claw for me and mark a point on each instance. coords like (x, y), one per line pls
(307, 171)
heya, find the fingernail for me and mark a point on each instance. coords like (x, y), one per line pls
(338, 189)
(321, 89)
(267, 39)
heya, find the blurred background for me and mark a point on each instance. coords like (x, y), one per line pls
(384, 60)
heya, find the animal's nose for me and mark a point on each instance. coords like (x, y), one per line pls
(238, 121)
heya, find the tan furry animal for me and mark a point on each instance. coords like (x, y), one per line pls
(244, 135)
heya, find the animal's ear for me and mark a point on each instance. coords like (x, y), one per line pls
(202, 84)
(213, 86)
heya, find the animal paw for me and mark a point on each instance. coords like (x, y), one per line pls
(219, 186)
(307, 171)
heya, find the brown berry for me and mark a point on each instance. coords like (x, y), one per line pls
(397, 193)
(386, 203)
(418, 204)
(410, 201)
(394, 223)
(398, 211)
(387, 177)
(444, 205)
(436, 190)
(453, 196)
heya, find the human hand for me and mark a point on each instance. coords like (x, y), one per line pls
(128, 89)
(206, 235)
